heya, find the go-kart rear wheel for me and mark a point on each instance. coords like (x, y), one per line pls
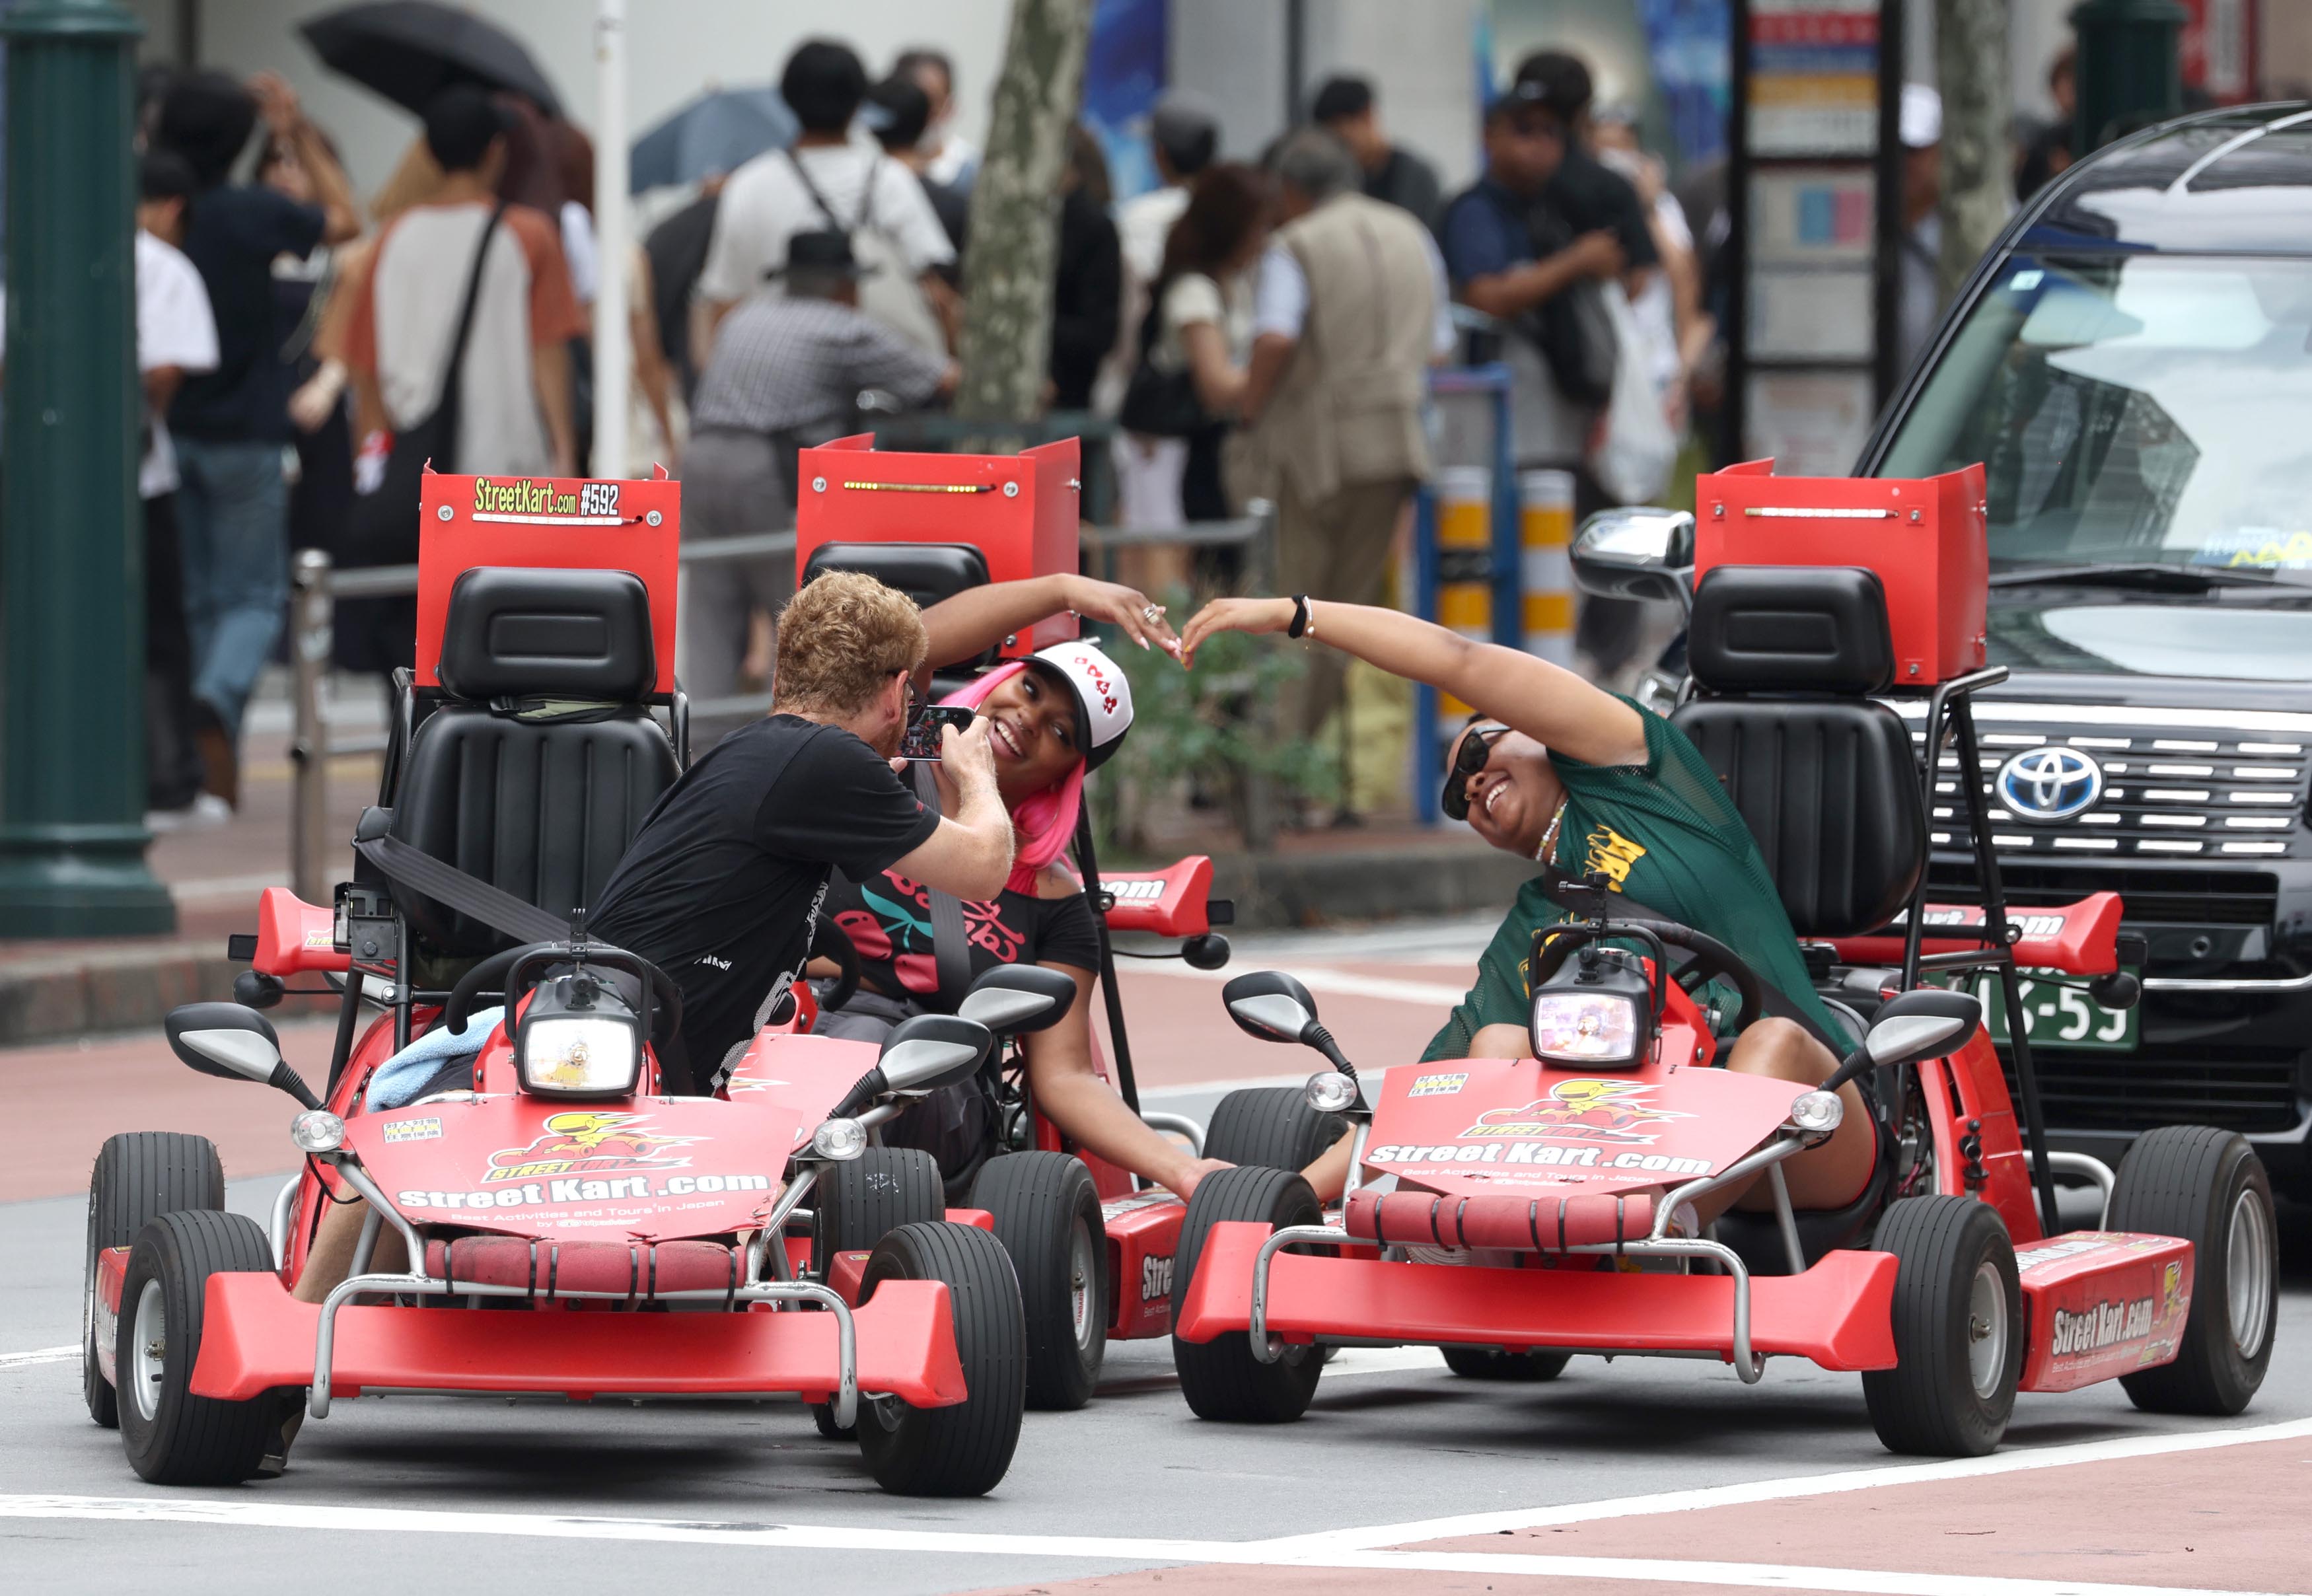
(2208, 1187)
(1221, 1378)
(1489, 1363)
(856, 1204)
(1046, 1214)
(1270, 1127)
(173, 1437)
(961, 1451)
(138, 1177)
(1958, 1329)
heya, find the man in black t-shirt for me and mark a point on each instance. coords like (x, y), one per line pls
(721, 887)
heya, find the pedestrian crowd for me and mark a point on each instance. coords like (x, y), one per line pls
(1257, 329)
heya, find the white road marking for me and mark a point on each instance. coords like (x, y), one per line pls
(183, 1509)
(1778, 1490)
(46, 1354)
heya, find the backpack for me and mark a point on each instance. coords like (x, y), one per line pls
(888, 289)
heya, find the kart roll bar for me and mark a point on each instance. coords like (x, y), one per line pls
(1950, 713)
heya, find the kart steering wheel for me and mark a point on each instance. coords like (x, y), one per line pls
(491, 973)
(831, 941)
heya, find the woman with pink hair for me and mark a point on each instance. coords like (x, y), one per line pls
(1056, 717)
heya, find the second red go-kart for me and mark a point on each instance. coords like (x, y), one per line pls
(565, 1227)
(1516, 1213)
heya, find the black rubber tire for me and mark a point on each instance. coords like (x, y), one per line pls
(1487, 1363)
(1044, 1207)
(2187, 1181)
(961, 1451)
(1927, 1404)
(1270, 1127)
(138, 1177)
(189, 1440)
(1221, 1378)
(857, 1203)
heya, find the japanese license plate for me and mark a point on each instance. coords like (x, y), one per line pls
(2058, 1013)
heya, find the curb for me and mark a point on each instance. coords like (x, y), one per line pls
(109, 989)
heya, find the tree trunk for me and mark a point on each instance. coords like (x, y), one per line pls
(1014, 243)
(1978, 187)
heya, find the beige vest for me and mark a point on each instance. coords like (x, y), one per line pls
(1348, 408)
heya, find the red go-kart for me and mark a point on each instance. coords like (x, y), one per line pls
(1516, 1213)
(562, 1226)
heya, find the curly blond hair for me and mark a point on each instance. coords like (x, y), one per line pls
(841, 640)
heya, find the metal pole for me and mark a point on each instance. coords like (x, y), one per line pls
(312, 615)
(72, 631)
(613, 341)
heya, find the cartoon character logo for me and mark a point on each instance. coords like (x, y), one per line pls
(1579, 1110)
(2173, 1298)
(584, 1141)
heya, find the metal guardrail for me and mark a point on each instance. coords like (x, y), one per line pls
(315, 587)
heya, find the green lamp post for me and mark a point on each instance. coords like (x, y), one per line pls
(72, 618)
(2130, 64)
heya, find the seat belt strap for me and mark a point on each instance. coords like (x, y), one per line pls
(417, 871)
(950, 949)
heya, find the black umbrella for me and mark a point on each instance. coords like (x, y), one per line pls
(410, 50)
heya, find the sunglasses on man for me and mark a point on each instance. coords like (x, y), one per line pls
(1469, 757)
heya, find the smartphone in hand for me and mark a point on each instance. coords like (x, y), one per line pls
(922, 741)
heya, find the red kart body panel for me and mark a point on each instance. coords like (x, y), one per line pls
(2100, 1304)
(111, 1275)
(1143, 1233)
(2078, 939)
(293, 936)
(1836, 1313)
(557, 523)
(256, 1336)
(1172, 902)
(1972, 1079)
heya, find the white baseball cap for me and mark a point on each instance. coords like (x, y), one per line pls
(1919, 120)
(1103, 697)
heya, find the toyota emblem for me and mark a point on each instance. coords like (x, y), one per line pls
(2049, 784)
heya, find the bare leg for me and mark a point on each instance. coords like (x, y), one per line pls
(1829, 1176)
(331, 1257)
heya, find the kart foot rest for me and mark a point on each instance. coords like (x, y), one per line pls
(639, 1270)
(1521, 1224)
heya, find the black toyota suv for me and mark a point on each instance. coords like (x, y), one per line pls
(2132, 363)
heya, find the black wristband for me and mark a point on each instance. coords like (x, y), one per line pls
(1299, 616)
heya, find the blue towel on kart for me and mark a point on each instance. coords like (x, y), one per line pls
(411, 1073)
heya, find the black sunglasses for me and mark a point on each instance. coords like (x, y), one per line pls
(1469, 757)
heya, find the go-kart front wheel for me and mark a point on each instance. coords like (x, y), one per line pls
(2208, 1187)
(1958, 1329)
(1221, 1378)
(1046, 1214)
(138, 1177)
(1271, 1126)
(173, 1437)
(961, 1451)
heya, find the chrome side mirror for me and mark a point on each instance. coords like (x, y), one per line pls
(1270, 1006)
(1920, 1025)
(1641, 552)
(1015, 999)
(233, 1042)
(930, 1051)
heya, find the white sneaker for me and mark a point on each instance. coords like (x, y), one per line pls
(208, 811)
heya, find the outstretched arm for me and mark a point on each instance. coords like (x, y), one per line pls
(980, 618)
(1545, 702)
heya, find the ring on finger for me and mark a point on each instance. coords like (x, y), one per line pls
(1151, 613)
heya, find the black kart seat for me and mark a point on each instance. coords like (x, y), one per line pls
(925, 571)
(1784, 662)
(536, 771)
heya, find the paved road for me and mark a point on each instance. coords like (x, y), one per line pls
(462, 1495)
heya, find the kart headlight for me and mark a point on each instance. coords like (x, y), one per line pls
(1574, 1025)
(838, 1141)
(317, 1130)
(578, 1039)
(1819, 1112)
(1330, 1091)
